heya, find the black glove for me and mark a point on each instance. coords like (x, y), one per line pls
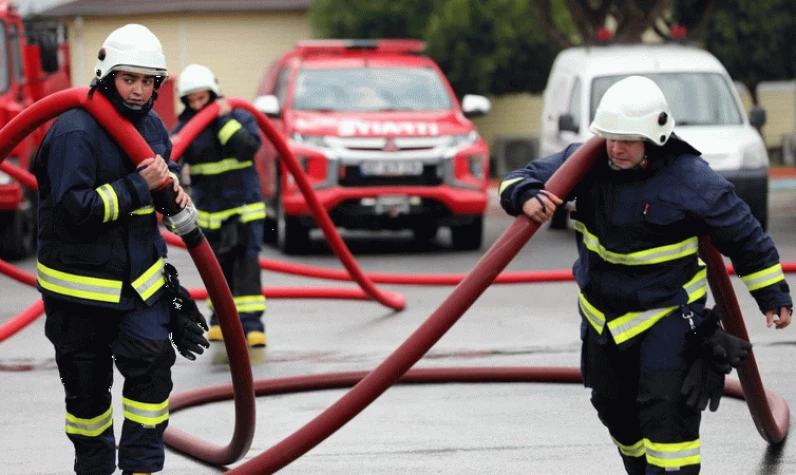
(710, 342)
(187, 324)
(703, 383)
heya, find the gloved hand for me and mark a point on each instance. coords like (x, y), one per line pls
(727, 351)
(187, 324)
(703, 383)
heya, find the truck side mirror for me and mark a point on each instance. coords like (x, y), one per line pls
(268, 105)
(567, 123)
(474, 105)
(757, 116)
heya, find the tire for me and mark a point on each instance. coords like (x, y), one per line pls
(468, 237)
(293, 238)
(18, 239)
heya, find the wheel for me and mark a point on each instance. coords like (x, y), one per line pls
(425, 232)
(467, 237)
(292, 236)
(18, 239)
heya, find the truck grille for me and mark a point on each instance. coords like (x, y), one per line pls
(353, 178)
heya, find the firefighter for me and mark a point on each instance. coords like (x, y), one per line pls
(652, 354)
(226, 189)
(101, 264)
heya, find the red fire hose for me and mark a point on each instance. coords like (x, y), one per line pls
(201, 120)
(138, 150)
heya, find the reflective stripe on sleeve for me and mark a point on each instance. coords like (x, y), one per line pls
(78, 286)
(213, 220)
(93, 427)
(228, 131)
(144, 413)
(764, 278)
(110, 202)
(507, 183)
(143, 210)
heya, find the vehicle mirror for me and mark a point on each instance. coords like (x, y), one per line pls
(567, 123)
(474, 105)
(757, 116)
(268, 105)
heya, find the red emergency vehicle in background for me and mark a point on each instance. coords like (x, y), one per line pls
(382, 138)
(34, 62)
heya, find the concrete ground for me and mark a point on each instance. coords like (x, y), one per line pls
(506, 428)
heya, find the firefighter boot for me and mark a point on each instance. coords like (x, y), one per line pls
(255, 339)
(214, 334)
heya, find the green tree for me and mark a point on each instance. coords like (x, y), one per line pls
(483, 46)
(754, 39)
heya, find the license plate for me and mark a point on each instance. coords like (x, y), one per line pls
(392, 205)
(391, 168)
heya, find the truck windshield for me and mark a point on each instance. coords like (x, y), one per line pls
(694, 98)
(370, 89)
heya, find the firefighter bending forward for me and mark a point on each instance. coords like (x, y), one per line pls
(101, 264)
(652, 354)
(226, 189)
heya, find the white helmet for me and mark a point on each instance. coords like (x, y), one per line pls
(633, 109)
(195, 78)
(131, 48)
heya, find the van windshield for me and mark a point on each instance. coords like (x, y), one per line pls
(370, 89)
(694, 98)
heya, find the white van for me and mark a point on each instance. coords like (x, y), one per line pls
(703, 99)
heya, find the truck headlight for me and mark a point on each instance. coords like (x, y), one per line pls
(463, 140)
(5, 179)
(311, 140)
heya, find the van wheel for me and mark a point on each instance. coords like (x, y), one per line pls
(468, 237)
(18, 239)
(292, 237)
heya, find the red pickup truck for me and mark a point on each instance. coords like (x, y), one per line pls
(382, 138)
(36, 56)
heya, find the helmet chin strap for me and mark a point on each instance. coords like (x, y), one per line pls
(131, 112)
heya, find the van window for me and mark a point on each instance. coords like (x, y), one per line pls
(694, 98)
(575, 101)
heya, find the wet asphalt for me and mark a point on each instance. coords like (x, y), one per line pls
(484, 428)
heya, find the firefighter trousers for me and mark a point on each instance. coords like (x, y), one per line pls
(636, 391)
(87, 340)
(237, 247)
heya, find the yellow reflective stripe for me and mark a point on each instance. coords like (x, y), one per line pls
(764, 278)
(635, 450)
(146, 414)
(174, 177)
(631, 324)
(654, 255)
(216, 168)
(228, 131)
(78, 286)
(250, 303)
(89, 427)
(150, 281)
(143, 210)
(673, 455)
(213, 220)
(109, 201)
(594, 316)
(505, 184)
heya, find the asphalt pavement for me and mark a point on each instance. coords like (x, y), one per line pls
(483, 428)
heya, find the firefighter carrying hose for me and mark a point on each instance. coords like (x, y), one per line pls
(652, 354)
(101, 265)
(226, 190)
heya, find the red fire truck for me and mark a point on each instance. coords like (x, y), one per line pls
(34, 62)
(382, 138)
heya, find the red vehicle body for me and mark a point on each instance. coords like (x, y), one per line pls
(36, 63)
(382, 138)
